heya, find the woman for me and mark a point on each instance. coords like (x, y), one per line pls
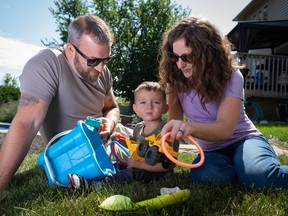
(197, 71)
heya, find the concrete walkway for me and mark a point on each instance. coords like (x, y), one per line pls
(193, 148)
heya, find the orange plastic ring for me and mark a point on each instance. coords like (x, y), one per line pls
(170, 157)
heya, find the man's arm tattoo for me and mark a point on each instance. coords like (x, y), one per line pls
(27, 100)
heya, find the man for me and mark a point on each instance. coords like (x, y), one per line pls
(58, 88)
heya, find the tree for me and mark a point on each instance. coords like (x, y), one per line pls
(8, 80)
(138, 26)
(9, 90)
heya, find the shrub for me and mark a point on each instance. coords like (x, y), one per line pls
(8, 111)
(9, 93)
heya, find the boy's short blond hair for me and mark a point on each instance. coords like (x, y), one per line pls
(150, 86)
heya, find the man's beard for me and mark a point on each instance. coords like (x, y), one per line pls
(89, 75)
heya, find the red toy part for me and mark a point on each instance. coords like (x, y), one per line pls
(119, 136)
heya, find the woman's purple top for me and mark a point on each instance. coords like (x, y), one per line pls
(195, 113)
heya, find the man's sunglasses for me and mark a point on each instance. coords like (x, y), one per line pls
(188, 58)
(95, 61)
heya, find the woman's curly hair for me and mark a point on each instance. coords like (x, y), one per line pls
(213, 63)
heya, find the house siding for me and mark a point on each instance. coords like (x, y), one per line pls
(278, 10)
(252, 8)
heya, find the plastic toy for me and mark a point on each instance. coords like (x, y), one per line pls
(132, 146)
(78, 151)
(171, 158)
(124, 203)
(151, 151)
(94, 122)
(155, 149)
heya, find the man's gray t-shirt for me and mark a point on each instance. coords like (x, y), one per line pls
(48, 76)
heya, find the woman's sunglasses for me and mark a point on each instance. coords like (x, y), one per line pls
(188, 58)
(95, 61)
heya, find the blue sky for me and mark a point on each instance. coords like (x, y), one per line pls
(27, 20)
(23, 23)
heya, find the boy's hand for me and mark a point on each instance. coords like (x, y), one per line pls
(131, 162)
(114, 136)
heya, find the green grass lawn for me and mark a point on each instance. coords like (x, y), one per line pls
(277, 133)
(30, 194)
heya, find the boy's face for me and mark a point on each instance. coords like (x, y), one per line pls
(150, 105)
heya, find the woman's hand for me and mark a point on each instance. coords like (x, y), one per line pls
(220, 129)
(179, 129)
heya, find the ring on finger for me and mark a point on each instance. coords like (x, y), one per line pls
(182, 131)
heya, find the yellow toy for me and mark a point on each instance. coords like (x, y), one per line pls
(155, 149)
(151, 150)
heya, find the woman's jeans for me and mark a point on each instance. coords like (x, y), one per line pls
(251, 162)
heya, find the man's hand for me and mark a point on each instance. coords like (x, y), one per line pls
(106, 128)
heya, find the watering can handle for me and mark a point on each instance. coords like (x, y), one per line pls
(57, 136)
(123, 149)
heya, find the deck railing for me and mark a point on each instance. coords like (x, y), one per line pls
(265, 75)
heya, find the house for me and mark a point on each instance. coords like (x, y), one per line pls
(261, 44)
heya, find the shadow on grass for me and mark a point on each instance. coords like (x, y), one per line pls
(30, 194)
(29, 191)
(26, 189)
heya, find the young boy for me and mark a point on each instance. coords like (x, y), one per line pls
(150, 104)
